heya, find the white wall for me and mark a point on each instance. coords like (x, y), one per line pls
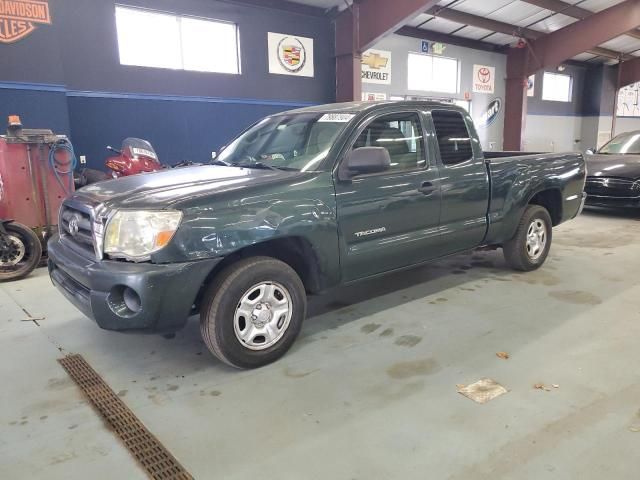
(553, 133)
(627, 124)
(400, 46)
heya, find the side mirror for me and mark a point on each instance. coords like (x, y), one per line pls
(590, 151)
(365, 160)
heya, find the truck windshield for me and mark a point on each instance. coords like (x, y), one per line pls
(623, 144)
(287, 142)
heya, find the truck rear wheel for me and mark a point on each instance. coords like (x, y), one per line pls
(252, 312)
(529, 247)
(20, 252)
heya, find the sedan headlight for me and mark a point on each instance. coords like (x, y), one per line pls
(136, 234)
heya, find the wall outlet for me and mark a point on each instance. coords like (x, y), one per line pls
(83, 159)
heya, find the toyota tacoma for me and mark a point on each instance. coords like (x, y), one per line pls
(300, 202)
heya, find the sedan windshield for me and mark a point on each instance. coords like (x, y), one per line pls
(623, 144)
(286, 142)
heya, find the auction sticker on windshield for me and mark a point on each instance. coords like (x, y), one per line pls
(337, 117)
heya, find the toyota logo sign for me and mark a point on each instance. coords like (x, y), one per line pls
(484, 75)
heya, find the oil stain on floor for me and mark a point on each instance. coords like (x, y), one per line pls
(408, 341)
(577, 297)
(414, 368)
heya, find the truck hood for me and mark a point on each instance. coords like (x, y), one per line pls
(624, 166)
(168, 187)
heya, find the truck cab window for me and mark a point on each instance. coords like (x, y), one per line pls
(401, 135)
(453, 136)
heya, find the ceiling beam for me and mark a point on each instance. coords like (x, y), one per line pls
(508, 29)
(378, 18)
(558, 6)
(424, 34)
(556, 47)
(483, 22)
(283, 5)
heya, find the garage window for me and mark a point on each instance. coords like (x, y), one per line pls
(431, 73)
(152, 39)
(557, 87)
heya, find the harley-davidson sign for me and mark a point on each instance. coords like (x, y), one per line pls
(18, 18)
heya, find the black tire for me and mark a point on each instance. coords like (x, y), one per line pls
(516, 252)
(224, 295)
(18, 234)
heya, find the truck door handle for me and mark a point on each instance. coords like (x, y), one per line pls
(426, 188)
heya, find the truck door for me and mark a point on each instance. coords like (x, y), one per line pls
(464, 181)
(389, 220)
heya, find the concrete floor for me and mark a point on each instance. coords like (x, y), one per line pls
(369, 389)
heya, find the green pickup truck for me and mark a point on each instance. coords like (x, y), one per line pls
(300, 202)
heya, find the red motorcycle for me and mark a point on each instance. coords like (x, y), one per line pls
(135, 156)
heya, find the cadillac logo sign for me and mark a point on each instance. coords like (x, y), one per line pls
(490, 115)
(19, 18)
(291, 54)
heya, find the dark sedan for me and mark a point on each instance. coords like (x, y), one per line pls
(613, 173)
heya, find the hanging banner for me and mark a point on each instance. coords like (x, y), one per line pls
(290, 55)
(484, 79)
(376, 67)
(19, 18)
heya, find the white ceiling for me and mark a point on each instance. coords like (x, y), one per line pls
(513, 12)
(521, 14)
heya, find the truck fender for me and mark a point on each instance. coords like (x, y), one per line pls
(239, 226)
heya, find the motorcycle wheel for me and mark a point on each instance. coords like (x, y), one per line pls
(20, 252)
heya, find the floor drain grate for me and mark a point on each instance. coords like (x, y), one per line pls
(154, 458)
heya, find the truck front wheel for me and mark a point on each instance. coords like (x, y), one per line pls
(252, 312)
(529, 247)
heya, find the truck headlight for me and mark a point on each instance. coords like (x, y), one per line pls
(136, 234)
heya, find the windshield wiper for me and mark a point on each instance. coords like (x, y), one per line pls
(259, 165)
(263, 166)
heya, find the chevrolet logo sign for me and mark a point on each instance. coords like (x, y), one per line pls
(375, 61)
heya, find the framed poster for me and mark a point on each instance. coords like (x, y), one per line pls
(484, 79)
(290, 55)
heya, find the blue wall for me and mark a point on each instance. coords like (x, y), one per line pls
(67, 77)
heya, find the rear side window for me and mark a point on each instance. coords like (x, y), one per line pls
(453, 137)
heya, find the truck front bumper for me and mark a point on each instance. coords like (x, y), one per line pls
(128, 296)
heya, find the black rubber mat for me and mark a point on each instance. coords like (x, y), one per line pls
(147, 449)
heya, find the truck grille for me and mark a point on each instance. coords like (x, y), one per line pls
(612, 187)
(76, 230)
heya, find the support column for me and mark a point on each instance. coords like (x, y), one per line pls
(348, 68)
(358, 28)
(515, 109)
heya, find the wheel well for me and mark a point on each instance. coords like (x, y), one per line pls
(552, 201)
(297, 252)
